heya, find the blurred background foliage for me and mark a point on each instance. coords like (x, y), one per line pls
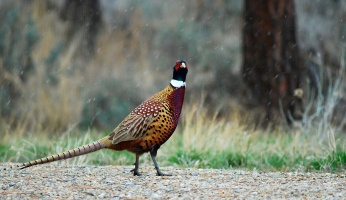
(89, 63)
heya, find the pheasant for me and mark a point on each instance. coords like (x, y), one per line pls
(145, 129)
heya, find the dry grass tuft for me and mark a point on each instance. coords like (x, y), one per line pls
(204, 141)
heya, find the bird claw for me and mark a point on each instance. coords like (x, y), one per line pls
(159, 173)
(135, 172)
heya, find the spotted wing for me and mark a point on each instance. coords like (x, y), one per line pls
(135, 125)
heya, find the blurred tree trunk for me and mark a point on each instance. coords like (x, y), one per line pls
(270, 57)
(84, 17)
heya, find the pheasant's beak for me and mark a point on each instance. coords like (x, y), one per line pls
(183, 65)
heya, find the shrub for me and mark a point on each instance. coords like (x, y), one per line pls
(18, 36)
(105, 106)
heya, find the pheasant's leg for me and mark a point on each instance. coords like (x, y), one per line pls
(153, 153)
(135, 170)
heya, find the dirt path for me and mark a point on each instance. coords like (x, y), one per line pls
(116, 182)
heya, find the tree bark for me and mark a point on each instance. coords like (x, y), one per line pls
(271, 57)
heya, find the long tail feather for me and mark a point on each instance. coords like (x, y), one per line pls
(95, 146)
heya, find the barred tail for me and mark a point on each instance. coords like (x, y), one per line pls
(85, 149)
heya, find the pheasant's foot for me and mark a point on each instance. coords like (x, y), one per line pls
(135, 172)
(163, 174)
(159, 173)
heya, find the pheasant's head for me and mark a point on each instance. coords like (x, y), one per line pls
(180, 70)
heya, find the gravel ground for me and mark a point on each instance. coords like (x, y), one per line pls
(116, 182)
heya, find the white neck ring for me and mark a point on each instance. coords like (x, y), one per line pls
(178, 84)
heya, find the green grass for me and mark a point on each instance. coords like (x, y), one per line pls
(201, 141)
(24, 150)
(334, 161)
(261, 160)
(266, 152)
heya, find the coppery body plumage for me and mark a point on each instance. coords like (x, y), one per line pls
(151, 123)
(145, 129)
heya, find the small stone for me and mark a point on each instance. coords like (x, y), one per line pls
(194, 174)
